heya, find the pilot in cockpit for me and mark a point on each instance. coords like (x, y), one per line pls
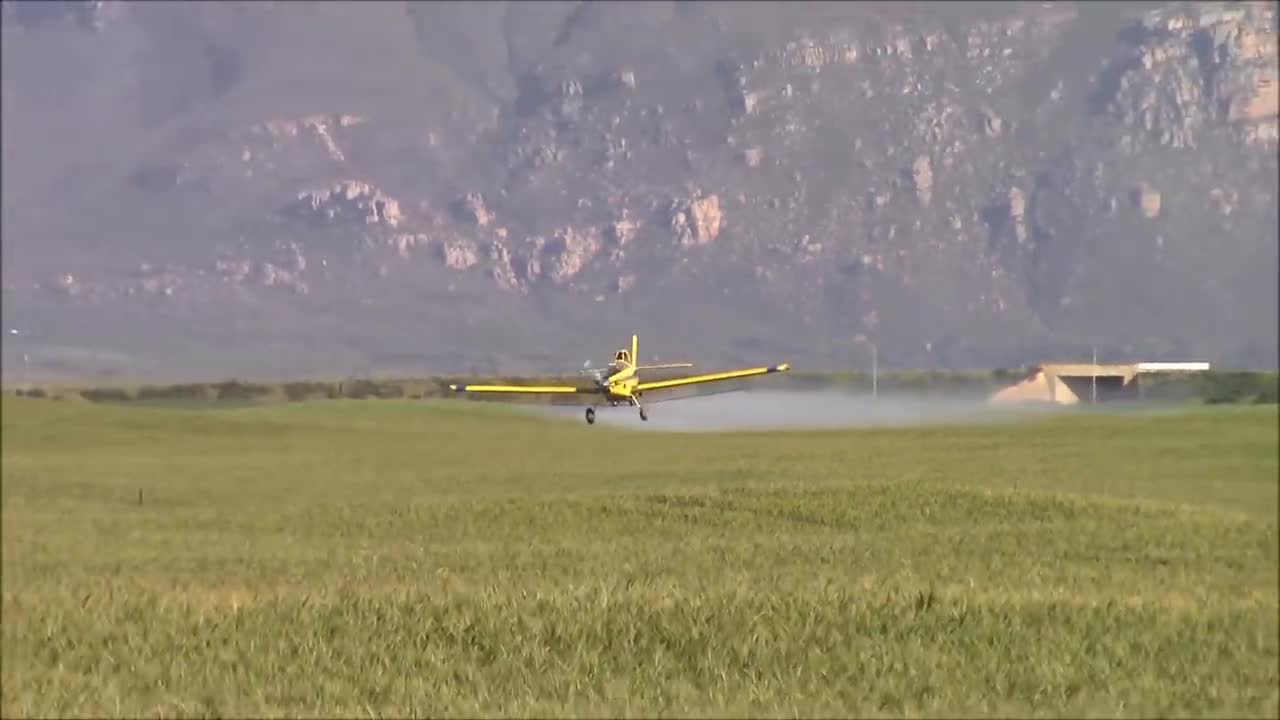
(622, 357)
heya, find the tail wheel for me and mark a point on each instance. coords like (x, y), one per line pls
(591, 416)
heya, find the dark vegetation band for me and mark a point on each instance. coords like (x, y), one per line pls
(1215, 387)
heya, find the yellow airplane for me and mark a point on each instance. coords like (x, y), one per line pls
(618, 383)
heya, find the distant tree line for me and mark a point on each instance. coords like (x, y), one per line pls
(1213, 387)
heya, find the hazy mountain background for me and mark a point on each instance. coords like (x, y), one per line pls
(260, 189)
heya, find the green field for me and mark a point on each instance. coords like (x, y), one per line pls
(371, 558)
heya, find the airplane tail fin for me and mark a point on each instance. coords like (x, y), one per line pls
(635, 349)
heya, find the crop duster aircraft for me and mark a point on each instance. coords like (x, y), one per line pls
(619, 383)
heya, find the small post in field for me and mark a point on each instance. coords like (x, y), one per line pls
(875, 374)
(1093, 385)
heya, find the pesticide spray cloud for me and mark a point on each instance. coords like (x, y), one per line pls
(804, 410)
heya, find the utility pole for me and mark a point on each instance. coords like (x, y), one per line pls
(1094, 383)
(26, 358)
(875, 372)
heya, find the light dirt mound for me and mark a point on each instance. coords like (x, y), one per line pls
(1033, 389)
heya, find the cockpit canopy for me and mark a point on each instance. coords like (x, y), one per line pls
(622, 357)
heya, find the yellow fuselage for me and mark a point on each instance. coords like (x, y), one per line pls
(621, 385)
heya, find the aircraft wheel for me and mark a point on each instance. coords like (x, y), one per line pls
(591, 416)
(644, 415)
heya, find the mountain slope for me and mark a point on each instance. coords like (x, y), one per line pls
(257, 188)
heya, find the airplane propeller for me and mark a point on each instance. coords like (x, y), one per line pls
(596, 373)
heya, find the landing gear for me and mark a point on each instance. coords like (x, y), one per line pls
(644, 415)
(634, 402)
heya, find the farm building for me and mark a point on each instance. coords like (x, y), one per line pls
(1074, 383)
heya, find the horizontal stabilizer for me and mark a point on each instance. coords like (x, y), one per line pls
(664, 367)
(531, 389)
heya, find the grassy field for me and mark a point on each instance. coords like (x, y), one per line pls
(372, 558)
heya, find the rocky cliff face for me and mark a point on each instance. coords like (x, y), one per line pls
(978, 186)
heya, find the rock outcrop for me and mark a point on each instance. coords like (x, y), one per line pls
(570, 251)
(1196, 65)
(471, 209)
(405, 243)
(274, 276)
(1147, 201)
(349, 201)
(459, 254)
(696, 221)
(277, 132)
(623, 230)
(922, 179)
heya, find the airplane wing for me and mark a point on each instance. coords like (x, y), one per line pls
(528, 390)
(687, 392)
(711, 377)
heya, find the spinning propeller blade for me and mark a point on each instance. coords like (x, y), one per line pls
(596, 374)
